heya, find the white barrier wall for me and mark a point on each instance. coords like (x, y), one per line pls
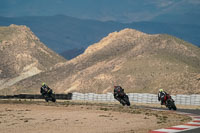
(138, 98)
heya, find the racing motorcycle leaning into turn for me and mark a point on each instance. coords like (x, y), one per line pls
(121, 96)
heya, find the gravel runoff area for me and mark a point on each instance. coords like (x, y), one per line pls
(19, 116)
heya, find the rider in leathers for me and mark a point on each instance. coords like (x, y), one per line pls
(45, 90)
(161, 96)
(118, 92)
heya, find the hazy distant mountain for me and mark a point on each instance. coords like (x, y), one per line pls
(186, 32)
(187, 18)
(72, 53)
(61, 33)
(22, 55)
(179, 11)
(137, 61)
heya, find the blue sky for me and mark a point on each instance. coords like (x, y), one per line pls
(104, 10)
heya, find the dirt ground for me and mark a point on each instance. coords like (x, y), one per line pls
(70, 117)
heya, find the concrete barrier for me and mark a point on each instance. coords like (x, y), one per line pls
(138, 98)
(36, 96)
(193, 99)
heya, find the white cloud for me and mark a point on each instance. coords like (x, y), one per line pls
(163, 3)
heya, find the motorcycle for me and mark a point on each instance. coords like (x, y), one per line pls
(123, 99)
(50, 96)
(169, 102)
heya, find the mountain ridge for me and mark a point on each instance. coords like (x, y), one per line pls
(137, 61)
(61, 33)
(23, 55)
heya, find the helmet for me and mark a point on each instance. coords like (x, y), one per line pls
(43, 84)
(160, 90)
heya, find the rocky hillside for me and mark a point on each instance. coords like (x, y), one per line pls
(23, 55)
(137, 61)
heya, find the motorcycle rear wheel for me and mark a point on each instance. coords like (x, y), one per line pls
(127, 102)
(53, 99)
(171, 105)
(174, 106)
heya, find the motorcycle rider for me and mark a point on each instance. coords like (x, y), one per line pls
(118, 92)
(161, 96)
(45, 90)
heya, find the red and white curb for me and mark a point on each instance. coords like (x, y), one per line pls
(195, 123)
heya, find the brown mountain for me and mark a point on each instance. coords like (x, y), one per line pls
(22, 55)
(137, 61)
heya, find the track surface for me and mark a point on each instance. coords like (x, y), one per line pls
(192, 111)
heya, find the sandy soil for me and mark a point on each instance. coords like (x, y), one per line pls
(34, 117)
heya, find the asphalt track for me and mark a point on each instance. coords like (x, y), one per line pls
(192, 111)
(197, 112)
